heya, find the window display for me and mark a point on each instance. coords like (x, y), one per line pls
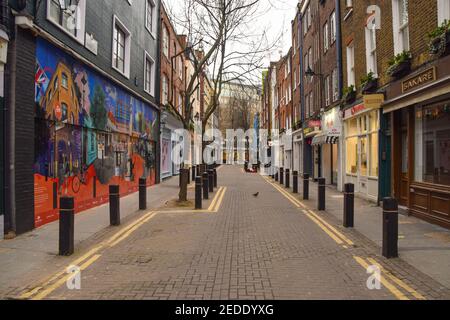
(432, 144)
(362, 145)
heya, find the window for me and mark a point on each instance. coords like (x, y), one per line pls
(401, 25)
(362, 145)
(71, 20)
(333, 27)
(326, 41)
(443, 11)
(165, 90)
(149, 74)
(295, 79)
(180, 103)
(64, 81)
(121, 48)
(351, 65)
(150, 18)
(334, 81)
(327, 91)
(371, 46)
(432, 144)
(165, 41)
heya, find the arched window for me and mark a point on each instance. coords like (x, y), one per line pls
(165, 39)
(371, 45)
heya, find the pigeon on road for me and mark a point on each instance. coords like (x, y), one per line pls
(256, 195)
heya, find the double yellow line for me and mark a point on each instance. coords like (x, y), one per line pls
(47, 286)
(388, 280)
(331, 231)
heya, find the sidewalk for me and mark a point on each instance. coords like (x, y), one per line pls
(31, 252)
(422, 245)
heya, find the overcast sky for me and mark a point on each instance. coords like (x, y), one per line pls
(277, 17)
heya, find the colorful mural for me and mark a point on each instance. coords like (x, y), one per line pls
(89, 134)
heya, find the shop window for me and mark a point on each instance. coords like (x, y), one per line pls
(374, 155)
(432, 144)
(364, 157)
(352, 155)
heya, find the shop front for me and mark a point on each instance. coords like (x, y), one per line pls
(419, 108)
(329, 143)
(297, 137)
(361, 146)
(172, 146)
(312, 153)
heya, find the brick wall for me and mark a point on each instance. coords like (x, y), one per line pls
(176, 83)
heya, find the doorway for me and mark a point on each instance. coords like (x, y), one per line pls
(402, 155)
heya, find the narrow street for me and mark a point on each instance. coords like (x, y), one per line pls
(268, 247)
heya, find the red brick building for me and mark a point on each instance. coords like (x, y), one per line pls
(172, 86)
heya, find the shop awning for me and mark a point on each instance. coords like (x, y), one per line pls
(324, 139)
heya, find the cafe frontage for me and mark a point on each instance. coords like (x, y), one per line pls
(361, 146)
(418, 107)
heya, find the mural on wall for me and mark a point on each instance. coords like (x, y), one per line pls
(89, 134)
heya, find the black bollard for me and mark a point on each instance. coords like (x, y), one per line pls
(288, 178)
(281, 176)
(205, 186)
(276, 175)
(216, 183)
(321, 195)
(198, 193)
(295, 181)
(66, 226)
(114, 205)
(211, 180)
(194, 174)
(390, 228)
(142, 194)
(349, 205)
(306, 186)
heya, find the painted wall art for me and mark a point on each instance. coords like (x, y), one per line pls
(89, 134)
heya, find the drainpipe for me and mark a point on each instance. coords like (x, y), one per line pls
(339, 47)
(340, 86)
(10, 129)
(302, 88)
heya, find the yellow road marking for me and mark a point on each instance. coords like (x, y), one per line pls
(63, 280)
(393, 289)
(131, 230)
(213, 203)
(332, 235)
(32, 292)
(219, 202)
(323, 224)
(397, 280)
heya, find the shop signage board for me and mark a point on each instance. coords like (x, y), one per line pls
(370, 102)
(332, 123)
(419, 80)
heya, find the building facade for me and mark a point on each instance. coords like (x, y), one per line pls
(87, 115)
(173, 75)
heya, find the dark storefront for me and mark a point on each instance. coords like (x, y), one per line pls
(419, 110)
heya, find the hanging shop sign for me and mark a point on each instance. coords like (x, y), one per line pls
(419, 80)
(332, 124)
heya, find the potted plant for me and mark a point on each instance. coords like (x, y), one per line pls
(400, 65)
(349, 94)
(369, 83)
(439, 40)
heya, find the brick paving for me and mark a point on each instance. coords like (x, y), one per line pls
(253, 248)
